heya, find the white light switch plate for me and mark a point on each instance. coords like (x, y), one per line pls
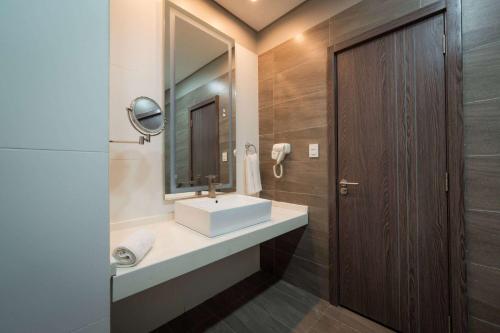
(313, 150)
(224, 156)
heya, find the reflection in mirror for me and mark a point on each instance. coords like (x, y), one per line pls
(146, 116)
(199, 141)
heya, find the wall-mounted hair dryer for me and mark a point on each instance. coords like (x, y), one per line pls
(279, 152)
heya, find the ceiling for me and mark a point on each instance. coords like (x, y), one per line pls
(260, 13)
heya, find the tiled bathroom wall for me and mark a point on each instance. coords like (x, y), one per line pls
(481, 42)
(293, 108)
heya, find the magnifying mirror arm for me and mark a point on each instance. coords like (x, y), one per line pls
(142, 140)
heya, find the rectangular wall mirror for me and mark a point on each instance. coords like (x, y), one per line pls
(200, 130)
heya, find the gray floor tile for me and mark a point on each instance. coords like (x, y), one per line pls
(269, 306)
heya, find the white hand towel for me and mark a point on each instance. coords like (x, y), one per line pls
(252, 174)
(131, 251)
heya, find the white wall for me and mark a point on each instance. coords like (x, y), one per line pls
(54, 229)
(247, 105)
(136, 69)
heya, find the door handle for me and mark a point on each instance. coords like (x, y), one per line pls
(343, 186)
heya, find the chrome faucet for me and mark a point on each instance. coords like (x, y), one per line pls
(212, 186)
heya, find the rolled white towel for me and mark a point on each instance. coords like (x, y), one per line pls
(131, 251)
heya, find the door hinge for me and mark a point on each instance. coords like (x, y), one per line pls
(444, 44)
(446, 181)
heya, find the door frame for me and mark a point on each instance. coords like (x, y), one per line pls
(214, 99)
(452, 11)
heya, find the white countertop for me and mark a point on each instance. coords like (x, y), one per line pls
(179, 250)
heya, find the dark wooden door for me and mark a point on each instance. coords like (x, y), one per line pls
(204, 141)
(393, 264)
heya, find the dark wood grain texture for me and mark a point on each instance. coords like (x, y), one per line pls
(411, 12)
(426, 150)
(204, 150)
(295, 54)
(391, 109)
(332, 173)
(292, 83)
(454, 112)
(369, 14)
(368, 224)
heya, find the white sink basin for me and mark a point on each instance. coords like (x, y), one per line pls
(230, 212)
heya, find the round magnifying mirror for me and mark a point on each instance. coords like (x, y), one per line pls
(146, 116)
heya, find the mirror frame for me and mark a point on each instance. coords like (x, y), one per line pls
(175, 13)
(135, 123)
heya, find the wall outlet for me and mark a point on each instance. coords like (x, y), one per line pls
(224, 156)
(313, 150)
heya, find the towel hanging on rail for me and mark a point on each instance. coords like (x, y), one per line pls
(252, 170)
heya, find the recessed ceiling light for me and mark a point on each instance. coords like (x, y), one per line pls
(253, 0)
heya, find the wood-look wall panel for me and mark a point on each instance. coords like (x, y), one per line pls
(424, 3)
(266, 120)
(481, 42)
(305, 243)
(309, 177)
(481, 23)
(483, 238)
(302, 48)
(266, 142)
(301, 80)
(291, 117)
(293, 109)
(303, 273)
(300, 140)
(477, 325)
(267, 194)
(266, 66)
(482, 72)
(303, 112)
(482, 127)
(317, 206)
(482, 183)
(484, 292)
(267, 176)
(369, 14)
(266, 93)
